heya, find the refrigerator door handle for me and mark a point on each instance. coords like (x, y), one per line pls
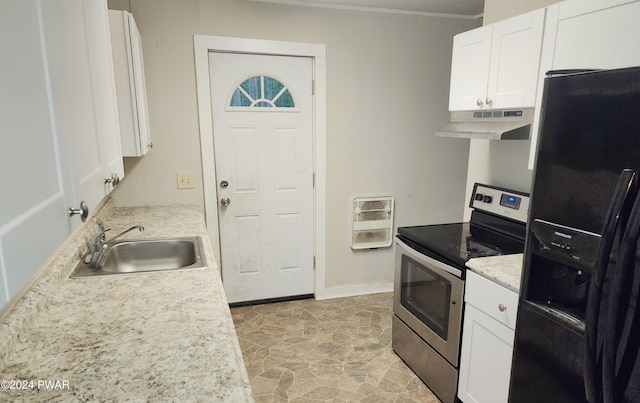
(617, 330)
(618, 208)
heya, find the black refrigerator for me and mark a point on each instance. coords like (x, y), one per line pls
(578, 325)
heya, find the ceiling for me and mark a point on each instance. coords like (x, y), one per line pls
(469, 9)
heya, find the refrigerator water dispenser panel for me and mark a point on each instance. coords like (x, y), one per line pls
(558, 288)
(568, 245)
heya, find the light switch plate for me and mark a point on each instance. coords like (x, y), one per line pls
(185, 180)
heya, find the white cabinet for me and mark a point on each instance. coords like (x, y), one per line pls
(470, 69)
(104, 93)
(82, 98)
(131, 90)
(587, 34)
(33, 222)
(496, 66)
(487, 341)
(596, 34)
(56, 111)
(71, 89)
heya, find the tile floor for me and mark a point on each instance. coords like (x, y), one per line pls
(332, 350)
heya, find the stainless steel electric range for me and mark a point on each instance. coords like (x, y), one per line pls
(429, 281)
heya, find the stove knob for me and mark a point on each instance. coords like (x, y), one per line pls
(479, 196)
(487, 199)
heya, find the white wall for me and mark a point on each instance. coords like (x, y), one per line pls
(501, 163)
(387, 92)
(496, 10)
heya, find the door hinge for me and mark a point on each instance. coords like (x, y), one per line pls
(313, 87)
(314, 263)
(313, 180)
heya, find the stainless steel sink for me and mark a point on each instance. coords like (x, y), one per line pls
(147, 255)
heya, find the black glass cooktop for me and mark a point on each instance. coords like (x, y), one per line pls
(459, 242)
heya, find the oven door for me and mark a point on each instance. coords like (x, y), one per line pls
(428, 297)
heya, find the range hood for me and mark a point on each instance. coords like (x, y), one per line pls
(512, 124)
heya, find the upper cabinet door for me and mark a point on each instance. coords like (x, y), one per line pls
(58, 120)
(73, 102)
(33, 219)
(104, 92)
(496, 66)
(470, 69)
(597, 34)
(140, 86)
(515, 60)
(131, 89)
(587, 34)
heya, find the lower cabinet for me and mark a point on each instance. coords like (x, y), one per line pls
(487, 341)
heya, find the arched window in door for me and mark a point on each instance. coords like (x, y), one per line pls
(263, 93)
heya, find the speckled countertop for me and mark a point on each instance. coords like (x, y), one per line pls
(158, 336)
(504, 270)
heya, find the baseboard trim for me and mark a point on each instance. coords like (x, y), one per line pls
(353, 290)
(328, 293)
(270, 300)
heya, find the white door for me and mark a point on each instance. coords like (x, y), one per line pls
(262, 114)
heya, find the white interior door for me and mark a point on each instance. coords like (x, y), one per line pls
(262, 113)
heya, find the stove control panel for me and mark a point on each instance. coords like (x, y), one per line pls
(500, 201)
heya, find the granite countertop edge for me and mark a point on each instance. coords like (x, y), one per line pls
(143, 336)
(504, 270)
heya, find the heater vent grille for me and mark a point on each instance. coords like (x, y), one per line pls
(371, 222)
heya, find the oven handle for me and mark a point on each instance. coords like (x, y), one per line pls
(429, 260)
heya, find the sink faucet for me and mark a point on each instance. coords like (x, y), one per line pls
(98, 245)
(139, 227)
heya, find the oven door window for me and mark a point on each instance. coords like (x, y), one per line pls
(426, 295)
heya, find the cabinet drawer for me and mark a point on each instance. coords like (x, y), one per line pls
(491, 298)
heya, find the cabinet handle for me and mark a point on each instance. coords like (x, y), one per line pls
(83, 211)
(113, 180)
(502, 307)
(479, 102)
(489, 101)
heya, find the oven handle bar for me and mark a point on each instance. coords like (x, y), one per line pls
(408, 250)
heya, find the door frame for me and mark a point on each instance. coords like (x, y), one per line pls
(203, 44)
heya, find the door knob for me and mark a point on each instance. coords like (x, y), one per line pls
(479, 102)
(488, 101)
(225, 201)
(224, 184)
(83, 211)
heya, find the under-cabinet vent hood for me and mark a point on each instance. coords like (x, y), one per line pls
(513, 124)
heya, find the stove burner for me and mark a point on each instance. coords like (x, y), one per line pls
(474, 248)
